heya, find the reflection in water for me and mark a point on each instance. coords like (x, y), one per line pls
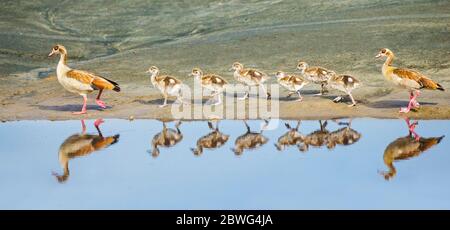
(406, 147)
(249, 140)
(343, 136)
(291, 137)
(317, 138)
(125, 177)
(166, 138)
(212, 140)
(83, 144)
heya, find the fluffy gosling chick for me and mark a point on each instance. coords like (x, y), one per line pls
(249, 77)
(315, 74)
(344, 83)
(292, 83)
(213, 82)
(168, 85)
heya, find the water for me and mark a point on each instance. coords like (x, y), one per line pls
(125, 175)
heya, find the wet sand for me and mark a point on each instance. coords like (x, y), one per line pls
(343, 37)
(51, 102)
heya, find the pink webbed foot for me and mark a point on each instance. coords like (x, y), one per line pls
(100, 103)
(98, 122)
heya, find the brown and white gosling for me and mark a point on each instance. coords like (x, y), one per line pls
(213, 82)
(410, 80)
(168, 85)
(80, 82)
(344, 83)
(249, 140)
(292, 83)
(315, 74)
(250, 77)
(214, 139)
(166, 138)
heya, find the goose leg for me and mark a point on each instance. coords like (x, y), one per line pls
(219, 99)
(83, 109)
(180, 98)
(353, 100)
(97, 124)
(246, 94)
(411, 128)
(83, 127)
(290, 94)
(300, 98)
(268, 96)
(165, 101)
(411, 103)
(100, 102)
(415, 102)
(323, 90)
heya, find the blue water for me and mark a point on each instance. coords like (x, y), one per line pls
(126, 176)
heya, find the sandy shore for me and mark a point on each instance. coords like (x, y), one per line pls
(45, 99)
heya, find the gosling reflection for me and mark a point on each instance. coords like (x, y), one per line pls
(249, 140)
(343, 136)
(79, 145)
(212, 140)
(317, 138)
(406, 147)
(290, 138)
(166, 138)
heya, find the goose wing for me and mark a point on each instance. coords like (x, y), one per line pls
(414, 79)
(91, 80)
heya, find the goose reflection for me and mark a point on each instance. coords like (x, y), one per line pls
(317, 138)
(343, 136)
(249, 140)
(290, 138)
(212, 140)
(166, 138)
(79, 145)
(406, 147)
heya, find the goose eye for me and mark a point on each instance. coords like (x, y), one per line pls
(383, 51)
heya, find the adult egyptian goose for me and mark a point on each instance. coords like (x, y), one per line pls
(80, 145)
(249, 140)
(212, 140)
(166, 138)
(344, 83)
(408, 79)
(315, 74)
(81, 82)
(168, 85)
(290, 138)
(407, 147)
(250, 77)
(292, 83)
(213, 82)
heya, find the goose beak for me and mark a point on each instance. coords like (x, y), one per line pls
(51, 53)
(378, 55)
